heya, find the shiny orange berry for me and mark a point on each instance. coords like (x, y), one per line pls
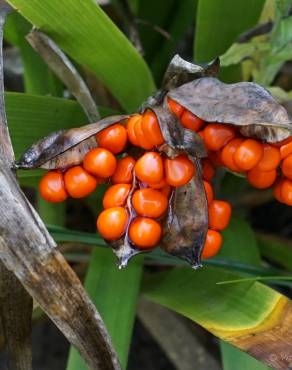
(130, 128)
(144, 232)
(166, 190)
(141, 138)
(277, 191)
(190, 121)
(286, 148)
(78, 182)
(100, 162)
(151, 128)
(149, 202)
(212, 245)
(218, 135)
(159, 185)
(111, 223)
(227, 153)
(207, 170)
(286, 192)
(219, 214)
(113, 138)
(179, 170)
(149, 168)
(52, 187)
(286, 167)
(209, 192)
(270, 159)
(248, 154)
(124, 171)
(116, 195)
(261, 179)
(175, 107)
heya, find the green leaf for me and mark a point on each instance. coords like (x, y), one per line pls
(38, 79)
(183, 16)
(276, 250)
(96, 43)
(30, 117)
(231, 357)
(114, 292)
(217, 28)
(236, 53)
(219, 308)
(240, 243)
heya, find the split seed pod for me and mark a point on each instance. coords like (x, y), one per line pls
(246, 105)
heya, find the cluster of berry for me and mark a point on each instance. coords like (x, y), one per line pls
(138, 197)
(264, 164)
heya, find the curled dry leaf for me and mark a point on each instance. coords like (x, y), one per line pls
(179, 72)
(65, 70)
(63, 149)
(244, 104)
(186, 226)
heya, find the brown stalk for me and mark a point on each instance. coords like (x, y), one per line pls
(61, 65)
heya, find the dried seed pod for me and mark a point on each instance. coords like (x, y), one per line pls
(186, 226)
(177, 139)
(63, 149)
(180, 71)
(243, 104)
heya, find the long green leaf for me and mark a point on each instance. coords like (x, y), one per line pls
(31, 117)
(234, 358)
(197, 295)
(38, 79)
(114, 293)
(276, 249)
(219, 24)
(86, 34)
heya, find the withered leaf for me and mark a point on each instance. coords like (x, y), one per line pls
(16, 312)
(244, 104)
(185, 228)
(62, 66)
(180, 71)
(63, 149)
(28, 250)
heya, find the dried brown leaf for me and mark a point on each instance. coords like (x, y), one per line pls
(65, 70)
(28, 250)
(186, 225)
(16, 311)
(180, 71)
(244, 104)
(63, 149)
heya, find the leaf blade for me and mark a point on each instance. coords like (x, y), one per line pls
(117, 60)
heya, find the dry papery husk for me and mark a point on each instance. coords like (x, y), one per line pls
(186, 223)
(64, 149)
(244, 104)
